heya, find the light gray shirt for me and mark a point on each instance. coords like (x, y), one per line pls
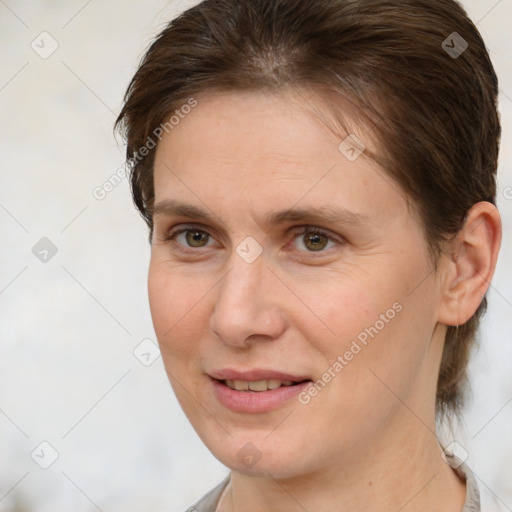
(209, 502)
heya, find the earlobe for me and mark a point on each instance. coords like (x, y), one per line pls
(471, 265)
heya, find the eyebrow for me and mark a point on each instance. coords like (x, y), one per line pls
(169, 208)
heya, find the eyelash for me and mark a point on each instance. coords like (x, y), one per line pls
(171, 236)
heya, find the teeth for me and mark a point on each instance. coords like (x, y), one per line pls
(258, 385)
(273, 384)
(239, 385)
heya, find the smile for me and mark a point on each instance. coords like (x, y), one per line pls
(258, 385)
(256, 396)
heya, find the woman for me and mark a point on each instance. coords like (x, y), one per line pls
(318, 179)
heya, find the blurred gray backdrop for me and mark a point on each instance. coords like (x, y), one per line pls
(88, 420)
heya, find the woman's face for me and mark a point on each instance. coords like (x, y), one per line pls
(306, 265)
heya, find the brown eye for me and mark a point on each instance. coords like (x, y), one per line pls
(315, 241)
(196, 238)
(190, 238)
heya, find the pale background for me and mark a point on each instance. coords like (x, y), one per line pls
(69, 326)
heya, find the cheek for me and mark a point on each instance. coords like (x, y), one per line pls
(382, 353)
(343, 306)
(162, 294)
(178, 316)
(175, 303)
(371, 321)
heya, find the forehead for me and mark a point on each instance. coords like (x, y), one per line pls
(277, 122)
(282, 147)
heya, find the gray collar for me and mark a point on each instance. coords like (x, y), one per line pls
(209, 502)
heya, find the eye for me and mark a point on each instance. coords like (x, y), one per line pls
(311, 238)
(190, 237)
(314, 239)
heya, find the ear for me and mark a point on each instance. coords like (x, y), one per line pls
(470, 264)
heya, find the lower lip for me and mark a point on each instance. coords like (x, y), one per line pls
(256, 401)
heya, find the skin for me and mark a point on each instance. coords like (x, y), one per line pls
(367, 440)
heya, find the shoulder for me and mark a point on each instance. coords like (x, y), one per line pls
(208, 503)
(472, 503)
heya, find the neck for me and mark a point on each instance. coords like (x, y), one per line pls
(406, 474)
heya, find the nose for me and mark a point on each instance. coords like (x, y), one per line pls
(247, 304)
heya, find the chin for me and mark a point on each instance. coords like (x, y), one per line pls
(254, 455)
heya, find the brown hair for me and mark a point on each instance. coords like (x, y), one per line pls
(432, 102)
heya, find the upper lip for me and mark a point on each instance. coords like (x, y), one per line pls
(254, 374)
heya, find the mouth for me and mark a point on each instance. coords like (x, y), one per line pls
(259, 386)
(252, 393)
